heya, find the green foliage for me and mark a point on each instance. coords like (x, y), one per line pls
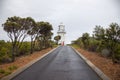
(7, 73)
(93, 44)
(75, 46)
(106, 41)
(18, 28)
(25, 48)
(99, 32)
(4, 54)
(117, 51)
(45, 34)
(57, 38)
(85, 39)
(4, 51)
(78, 42)
(2, 71)
(11, 68)
(109, 39)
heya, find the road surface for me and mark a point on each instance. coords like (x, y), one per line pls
(61, 64)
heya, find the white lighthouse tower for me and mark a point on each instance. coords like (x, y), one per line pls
(61, 32)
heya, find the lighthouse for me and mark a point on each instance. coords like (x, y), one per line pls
(61, 32)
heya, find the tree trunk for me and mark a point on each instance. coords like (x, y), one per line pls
(40, 43)
(34, 45)
(13, 53)
(43, 42)
(31, 51)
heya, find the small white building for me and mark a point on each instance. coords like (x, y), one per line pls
(61, 32)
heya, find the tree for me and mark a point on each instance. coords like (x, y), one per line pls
(99, 32)
(32, 32)
(106, 41)
(109, 38)
(16, 28)
(45, 32)
(113, 38)
(85, 39)
(100, 37)
(49, 39)
(57, 38)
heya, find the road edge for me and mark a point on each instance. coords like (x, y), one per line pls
(21, 69)
(97, 70)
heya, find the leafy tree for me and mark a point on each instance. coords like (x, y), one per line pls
(104, 40)
(99, 32)
(99, 35)
(49, 37)
(113, 38)
(32, 32)
(57, 38)
(85, 39)
(16, 29)
(45, 32)
(109, 38)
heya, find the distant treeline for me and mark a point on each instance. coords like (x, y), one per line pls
(106, 41)
(18, 29)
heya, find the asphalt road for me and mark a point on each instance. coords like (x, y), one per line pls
(61, 64)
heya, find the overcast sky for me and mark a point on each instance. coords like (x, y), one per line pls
(78, 16)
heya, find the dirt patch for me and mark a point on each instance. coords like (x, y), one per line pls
(20, 61)
(104, 64)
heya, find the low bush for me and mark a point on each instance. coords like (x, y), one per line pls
(2, 71)
(25, 48)
(11, 68)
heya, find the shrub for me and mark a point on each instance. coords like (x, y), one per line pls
(4, 55)
(7, 73)
(2, 71)
(11, 68)
(117, 53)
(25, 48)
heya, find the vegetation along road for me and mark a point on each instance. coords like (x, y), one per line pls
(61, 64)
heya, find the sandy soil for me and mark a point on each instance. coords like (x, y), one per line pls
(104, 64)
